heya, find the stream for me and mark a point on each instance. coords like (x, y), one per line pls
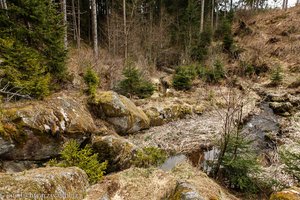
(192, 138)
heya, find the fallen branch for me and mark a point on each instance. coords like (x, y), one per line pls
(11, 92)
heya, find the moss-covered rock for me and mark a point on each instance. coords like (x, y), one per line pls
(122, 113)
(287, 194)
(134, 184)
(183, 182)
(36, 130)
(282, 108)
(161, 115)
(53, 183)
(115, 149)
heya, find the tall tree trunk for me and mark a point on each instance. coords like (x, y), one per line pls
(4, 4)
(94, 28)
(286, 4)
(202, 16)
(74, 20)
(150, 34)
(108, 27)
(283, 4)
(64, 10)
(217, 14)
(225, 11)
(231, 5)
(161, 22)
(212, 14)
(78, 24)
(298, 2)
(125, 31)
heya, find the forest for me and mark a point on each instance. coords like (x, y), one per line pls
(150, 99)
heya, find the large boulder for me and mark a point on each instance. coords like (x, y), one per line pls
(115, 149)
(183, 182)
(44, 183)
(134, 184)
(36, 130)
(118, 110)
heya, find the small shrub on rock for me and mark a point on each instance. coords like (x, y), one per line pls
(84, 158)
(91, 79)
(149, 156)
(276, 76)
(134, 84)
(183, 77)
(213, 74)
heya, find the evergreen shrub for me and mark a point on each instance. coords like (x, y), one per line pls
(149, 156)
(84, 158)
(91, 79)
(135, 84)
(32, 51)
(183, 77)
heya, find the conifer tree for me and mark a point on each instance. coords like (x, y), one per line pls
(32, 45)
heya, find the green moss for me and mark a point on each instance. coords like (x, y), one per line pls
(178, 193)
(284, 196)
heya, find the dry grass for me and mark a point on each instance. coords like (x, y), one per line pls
(108, 67)
(274, 39)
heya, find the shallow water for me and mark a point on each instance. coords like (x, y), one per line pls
(172, 161)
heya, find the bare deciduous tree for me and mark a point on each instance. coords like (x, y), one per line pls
(202, 16)
(94, 28)
(64, 10)
(125, 31)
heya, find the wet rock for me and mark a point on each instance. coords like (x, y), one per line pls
(287, 194)
(36, 130)
(115, 149)
(119, 111)
(282, 108)
(54, 182)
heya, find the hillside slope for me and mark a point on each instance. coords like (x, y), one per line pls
(269, 39)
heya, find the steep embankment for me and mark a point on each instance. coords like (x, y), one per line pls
(269, 39)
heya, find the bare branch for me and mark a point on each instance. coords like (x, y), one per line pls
(11, 92)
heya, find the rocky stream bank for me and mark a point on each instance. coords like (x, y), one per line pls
(186, 124)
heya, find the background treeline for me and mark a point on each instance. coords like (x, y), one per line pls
(36, 35)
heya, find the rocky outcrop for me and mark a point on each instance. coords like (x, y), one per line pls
(287, 194)
(115, 149)
(184, 182)
(37, 130)
(161, 115)
(284, 104)
(118, 110)
(282, 108)
(44, 183)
